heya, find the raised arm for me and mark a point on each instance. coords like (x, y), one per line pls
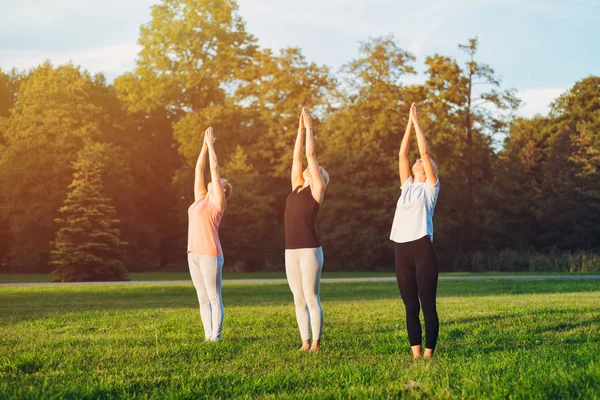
(403, 165)
(217, 197)
(199, 186)
(297, 179)
(318, 186)
(423, 150)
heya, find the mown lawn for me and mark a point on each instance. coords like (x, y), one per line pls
(498, 339)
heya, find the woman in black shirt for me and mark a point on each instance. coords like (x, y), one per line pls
(303, 251)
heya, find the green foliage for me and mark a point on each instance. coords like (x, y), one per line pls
(271, 93)
(249, 96)
(511, 260)
(5, 244)
(88, 246)
(248, 219)
(6, 97)
(553, 166)
(519, 181)
(9, 88)
(150, 214)
(576, 148)
(527, 185)
(55, 113)
(360, 145)
(191, 49)
(466, 109)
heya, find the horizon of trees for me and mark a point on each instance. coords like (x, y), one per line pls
(526, 185)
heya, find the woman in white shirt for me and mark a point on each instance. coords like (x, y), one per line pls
(412, 232)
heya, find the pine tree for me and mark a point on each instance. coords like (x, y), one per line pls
(55, 111)
(88, 246)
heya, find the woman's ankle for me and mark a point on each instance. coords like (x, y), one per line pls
(416, 351)
(316, 345)
(305, 345)
(428, 353)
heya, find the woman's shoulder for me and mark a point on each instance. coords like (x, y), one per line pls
(197, 202)
(407, 183)
(214, 208)
(435, 185)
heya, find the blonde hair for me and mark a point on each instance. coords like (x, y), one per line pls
(227, 188)
(324, 175)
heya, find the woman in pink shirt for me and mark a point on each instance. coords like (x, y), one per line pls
(205, 256)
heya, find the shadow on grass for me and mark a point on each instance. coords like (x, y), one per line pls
(498, 332)
(34, 302)
(549, 315)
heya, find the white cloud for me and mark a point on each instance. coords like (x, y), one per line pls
(111, 60)
(416, 46)
(23, 15)
(537, 101)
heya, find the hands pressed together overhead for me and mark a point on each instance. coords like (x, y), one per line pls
(209, 136)
(305, 121)
(413, 117)
(413, 114)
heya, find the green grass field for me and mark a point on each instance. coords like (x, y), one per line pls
(498, 339)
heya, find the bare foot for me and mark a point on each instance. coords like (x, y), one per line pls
(305, 345)
(316, 345)
(206, 340)
(428, 353)
(416, 350)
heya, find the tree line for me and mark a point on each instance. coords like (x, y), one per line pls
(105, 170)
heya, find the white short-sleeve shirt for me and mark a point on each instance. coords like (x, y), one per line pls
(414, 211)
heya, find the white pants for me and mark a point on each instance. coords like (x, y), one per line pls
(206, 272)
(303, 270)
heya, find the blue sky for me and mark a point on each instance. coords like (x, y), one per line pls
(538, 47)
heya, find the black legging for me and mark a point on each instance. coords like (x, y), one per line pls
(417, 276)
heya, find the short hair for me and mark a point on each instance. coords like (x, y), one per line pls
(227, 188)
(324, 175)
